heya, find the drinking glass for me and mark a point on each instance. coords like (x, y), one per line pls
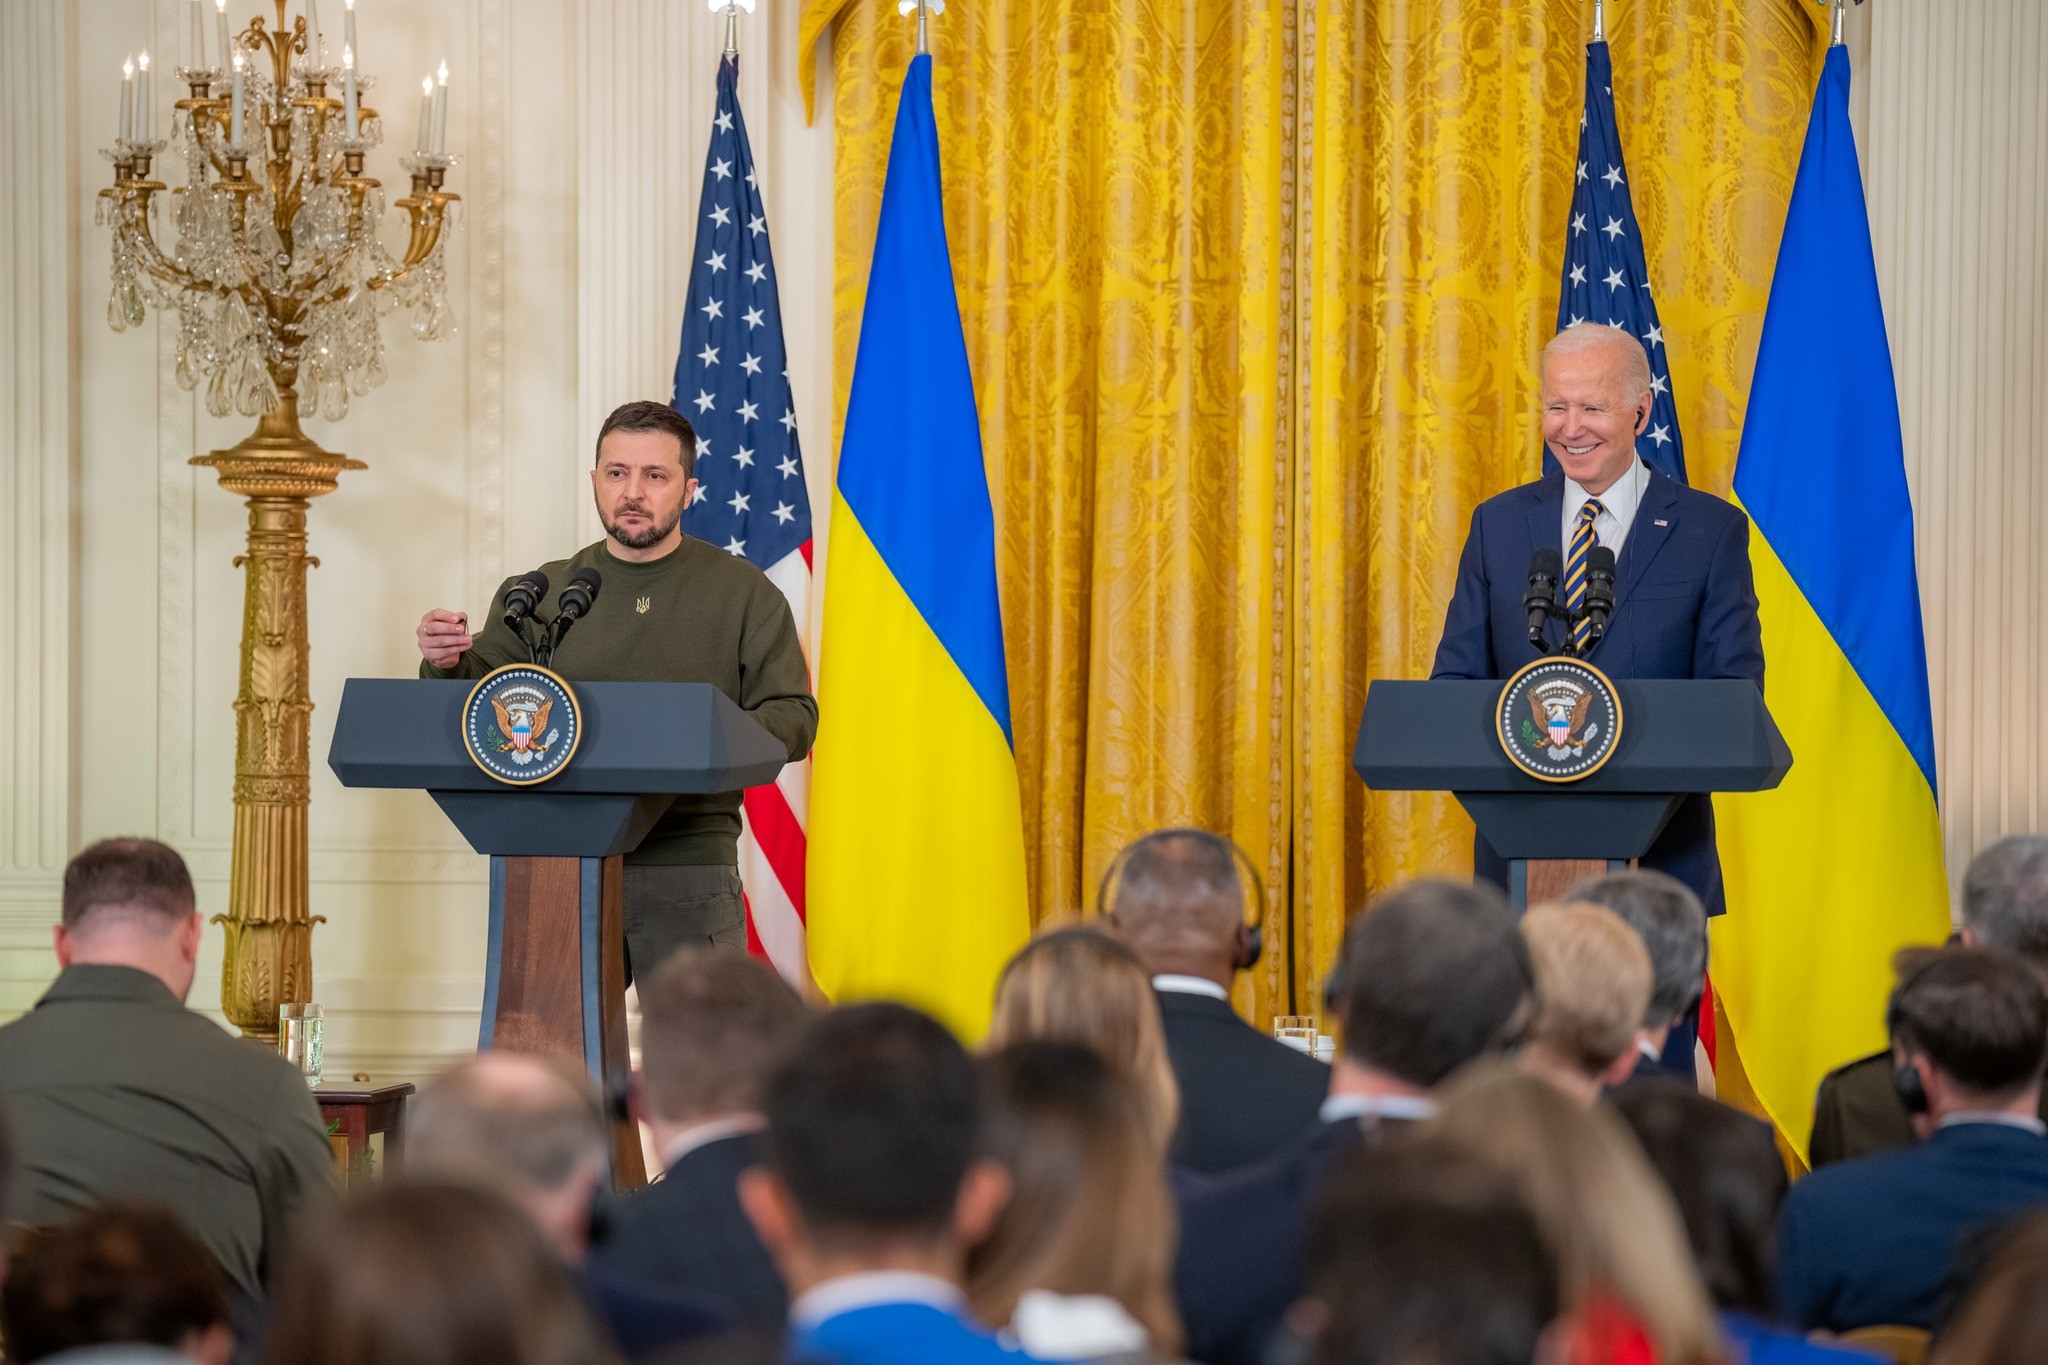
(299, 1030)
(1298, 1031)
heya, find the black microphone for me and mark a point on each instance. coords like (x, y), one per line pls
(523, 596)
(577, 594)
(1599, 588)
(1540, 601)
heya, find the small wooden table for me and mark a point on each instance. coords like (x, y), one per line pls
(356, 1113)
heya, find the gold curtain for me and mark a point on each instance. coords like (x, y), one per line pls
(1251, 293)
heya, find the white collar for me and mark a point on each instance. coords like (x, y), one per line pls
(1645, 1049)
(1189, 985)
(1338, 1107)
(870, 1289)
(1998, 1116)
(1620, 500)
(705, 1133)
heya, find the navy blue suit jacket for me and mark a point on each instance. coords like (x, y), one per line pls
(1875, 1240)
(1244, 1096)
(1684, 607)
(687, 1231)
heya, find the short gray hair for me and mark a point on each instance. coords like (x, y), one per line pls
(2005, 897)
(1672, 924)
(507, 1120)
(1592, 336)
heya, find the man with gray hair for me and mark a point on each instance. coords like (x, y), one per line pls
(1857, 1110)
(1177, 899)
(1672, 924)
(1684, 599)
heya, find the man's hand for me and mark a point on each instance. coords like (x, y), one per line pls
(444, 635)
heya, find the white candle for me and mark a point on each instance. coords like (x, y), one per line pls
(235, 107)
(441, 110)
(426, 138)
(312, 36)
(197, 56)
(220, 16)
(348, 23)
(127, 133)
(348, 91)
(145, 116)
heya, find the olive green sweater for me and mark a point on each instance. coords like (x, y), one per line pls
(697, 614)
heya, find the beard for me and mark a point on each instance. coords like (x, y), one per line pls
(654, 534)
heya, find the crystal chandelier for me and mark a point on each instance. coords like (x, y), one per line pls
(279, 281)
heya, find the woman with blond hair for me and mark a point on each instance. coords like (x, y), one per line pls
(1079, 1264)
(1631, 1289)
(1076, 984)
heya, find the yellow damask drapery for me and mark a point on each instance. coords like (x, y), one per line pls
(1251, 292)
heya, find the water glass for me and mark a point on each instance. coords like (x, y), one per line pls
(299, 1038)
(1298, 1031)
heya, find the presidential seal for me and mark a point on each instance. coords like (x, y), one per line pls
(521, 724)
(1558, 719)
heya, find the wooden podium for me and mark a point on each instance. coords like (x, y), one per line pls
(1684, 735)
(555, 977)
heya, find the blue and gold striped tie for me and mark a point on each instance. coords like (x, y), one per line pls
(1583, 541)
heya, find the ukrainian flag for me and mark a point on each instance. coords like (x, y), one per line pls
(916, 869)
(1841, 865)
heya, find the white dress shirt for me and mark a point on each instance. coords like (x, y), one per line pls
(1618, 503)
(1413, 1107)
(868, 1289)
(704, 1134)
(2029, 1122)
(1189, 985)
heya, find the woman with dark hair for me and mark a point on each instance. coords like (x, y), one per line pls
(427, 1275)
(119, 1275)
(1725, 1175)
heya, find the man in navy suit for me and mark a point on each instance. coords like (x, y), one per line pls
(1685, 604)
(1430, 977)
(1876, 1240)
(1672, 924)
(871, 1191)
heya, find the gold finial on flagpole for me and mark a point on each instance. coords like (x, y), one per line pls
(924, 8)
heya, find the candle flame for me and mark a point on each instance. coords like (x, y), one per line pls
(221, 5)
(444, 71)
(427, 86)
(128, 69)
(143, 61)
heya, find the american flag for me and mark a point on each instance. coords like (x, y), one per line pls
(732, 382)
(1605, 279)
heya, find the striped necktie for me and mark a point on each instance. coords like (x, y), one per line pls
(1583, 541)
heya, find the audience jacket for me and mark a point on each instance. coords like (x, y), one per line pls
(891, 1318)
(646, 1321)
(1874, 1241)
(1241, 1240)
(688, 1231)
(1856, 1112)
(116, 1091)
(1759, 1343)
(1244, 1096)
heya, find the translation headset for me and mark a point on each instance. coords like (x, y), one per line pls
(1906, 1080)
(1253, 945)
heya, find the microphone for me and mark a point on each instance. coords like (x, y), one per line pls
(523, 596)
(1545, 567)
(1599, 588)
(577, 595)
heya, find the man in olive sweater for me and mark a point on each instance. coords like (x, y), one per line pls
(671, 609)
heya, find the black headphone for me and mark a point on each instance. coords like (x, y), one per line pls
(1255, 933)
(1907, 1083)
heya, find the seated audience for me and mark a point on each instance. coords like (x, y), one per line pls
(423, 1274)
(1176, 898)
(1723, 1170)
(1428, 978)
(120, 1275)
(872, 1189)
(1592, 986)
(2003, 1314)
(1079, 1264)
(1417, 1253)
(2005, 906)
(1873, 1241)
(1078, 985)
(530, 1131)
(1672, 924)
(713, 1025)
(118, 1092)
(1628, 1281)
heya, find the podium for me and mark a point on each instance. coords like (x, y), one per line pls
(555, 978)
(1682, 736)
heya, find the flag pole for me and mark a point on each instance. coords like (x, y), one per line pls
(1599, 21)
(924, 46)
(732, 29)
(1841, 9)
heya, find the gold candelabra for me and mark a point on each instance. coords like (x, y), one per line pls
(279, 281)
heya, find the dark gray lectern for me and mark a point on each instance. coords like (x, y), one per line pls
(556, 977)
(1678, 736)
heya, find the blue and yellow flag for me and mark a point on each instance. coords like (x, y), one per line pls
(1839, 867)
(916, 872)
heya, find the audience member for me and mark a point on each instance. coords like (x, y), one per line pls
(713, 1025)
(1723, 1171)
(1672, 924)
(126, 1275)
(425, 1274)
(1078, 985)
(1874, 1240)
(118, 1092)
(1429, 977)
(531, 1131)
(873, 1189)
(2005, 905)
(1176, 898)
(1079, 1264)
(2003, 1314)
(1417, 1253)
(1592, 986)
(1629, 1282)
